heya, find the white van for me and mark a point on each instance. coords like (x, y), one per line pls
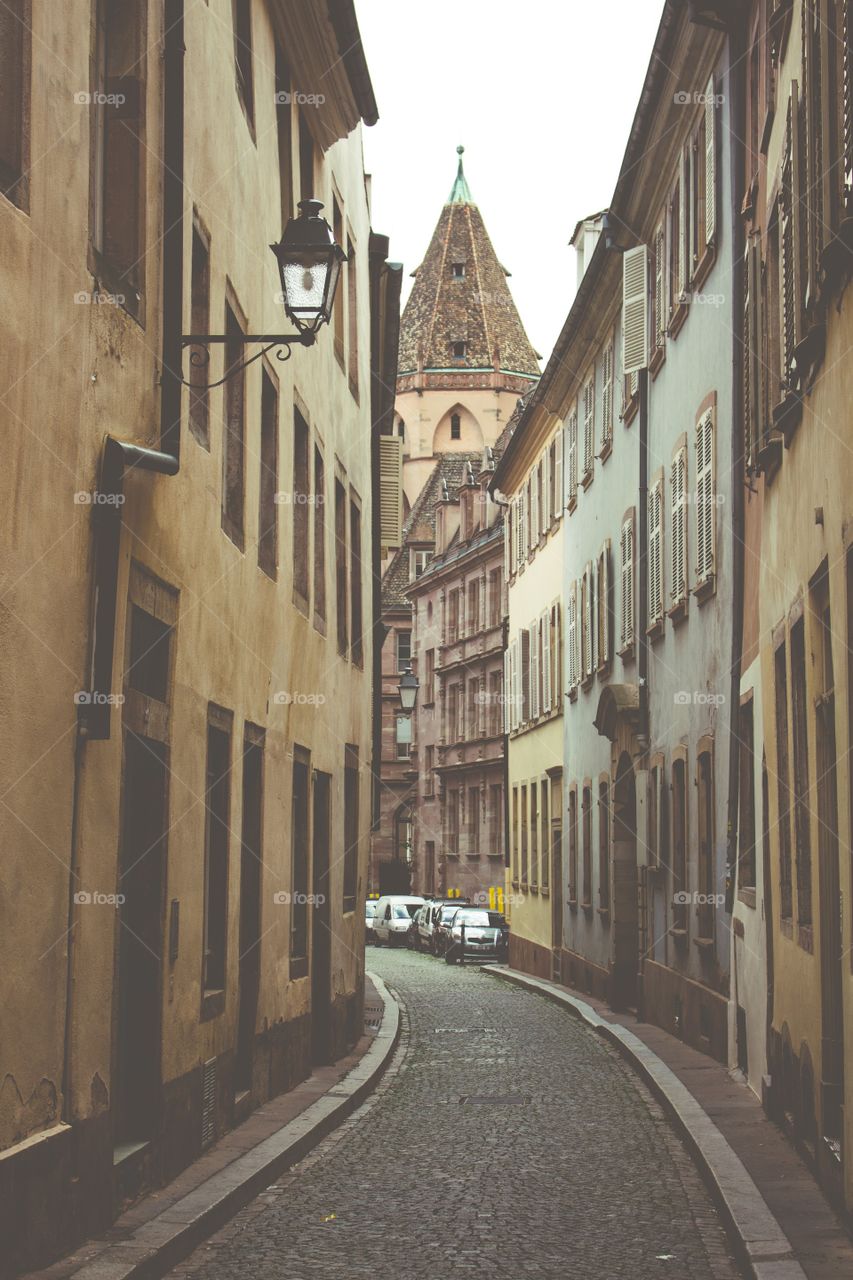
(393, 918)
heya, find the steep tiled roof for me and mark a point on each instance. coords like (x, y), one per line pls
(476, 308)
(420, 526)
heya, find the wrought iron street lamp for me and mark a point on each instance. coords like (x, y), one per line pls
(409, 685)
(309, 265)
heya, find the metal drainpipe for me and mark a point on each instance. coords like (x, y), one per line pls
(119, 456)
(643, 539)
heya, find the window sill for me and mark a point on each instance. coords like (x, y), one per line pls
(704, 590)
(678, 612)
(805, 938)
(786, 927)
(656, 629)
(534, 888)
(604, 914)
(212, 1005)
(298, 967)
(626, 653)
(572, 695)
(586, 479)
(452, 856)
(630, 411)
(571, 504)
(657, 360)
(588, 681)
(746, 895)
(573, 904)
(603, 670)
(703, 268)
(679, 936)
(704, 944)
(606, 450)
(495, 857)
(787, 416)
(545, 892)
(108, 278)
(354, 392)
(300, 603)
(676, 319)
(586, 908)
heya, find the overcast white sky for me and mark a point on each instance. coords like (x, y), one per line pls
(541, 93)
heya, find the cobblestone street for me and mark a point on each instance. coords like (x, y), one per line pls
(505, 1139)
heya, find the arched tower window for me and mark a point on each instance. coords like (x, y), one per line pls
(455, 427)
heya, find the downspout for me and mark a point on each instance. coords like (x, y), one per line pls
(117, 458)
(643, 544)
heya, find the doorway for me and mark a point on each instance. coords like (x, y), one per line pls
(251, 855)
(137, 1079)
(626, 937)
(321, 934)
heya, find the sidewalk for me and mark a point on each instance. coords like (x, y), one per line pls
(757, 1177)
(161, 1229)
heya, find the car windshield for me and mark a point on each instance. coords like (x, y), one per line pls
(483, 919)
(447, 913)
(369, 909)
(402, 911)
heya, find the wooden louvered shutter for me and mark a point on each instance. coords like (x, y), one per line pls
(678, 520)
(533, 643)
(799, 204)
(607, 398)
(604, 610)
(660, 286)
(705, 498)
(635, 310)
(506, 691)
(507, 544)
(588, 425)
(547, 512)
(655, 554)
(572, 459)
(572, 637)
(627, 574)
(683, 229)
(558, 480)
(390, 491)
(847, 104)
(710, 163)
(534, 507)
(515, 691)
(545, 624)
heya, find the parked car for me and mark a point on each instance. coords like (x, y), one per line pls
(475, 933)
(416, 940)
(443, 914)
(369, 912)
(393, 917)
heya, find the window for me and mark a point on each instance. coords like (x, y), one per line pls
(534, 684)
(458, 350)
(586, 816)
(455, 427)
(587, 622)
(495, 693)
(453, 616)
(678, 519)
(659, 295)
(338, 305)
(458, 269)
(514, 846)
(306, 161)
(786, 892)
(352, 316)
(149, 657)
(242, 13)
(341, 567)
(626, 634)
(473, 621)
(604, 846)
(419, 561)
(706, 501)
(471, 729)
(301, 499)
(572, 638)
(679, 844)
(656, 553)
(746, 808)
(200, 321)
(572, 458)
(534, 835)
(429, 677)
(545, 663)
(452, 712)
(545, 865)
(299, 886)
(588, 427)
(233, 478)
(674, 275)
(802, 815)
(453, 821)
(494, 597)
(404, 649)
(473, 822)
(268, 479)
(403, 736)
(118, 140)
(357, 638)
(284, 133)
(319, 540)
(604, 609)
(705, 812)
(217, 817)
(607, 400)
(15, 49)
(429, 765)
(351, 775)
(496, 819)
(524, 833)
(573, 845)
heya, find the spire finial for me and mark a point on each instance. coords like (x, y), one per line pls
(460, 193)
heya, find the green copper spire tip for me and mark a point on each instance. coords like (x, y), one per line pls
(461, 192)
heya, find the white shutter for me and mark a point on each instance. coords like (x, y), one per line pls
(655, 554)
(534, 507)
(506, 691)
(604, 605)
(546, 490)
(572, 457)
(533, 642)
(705, 498)
(390, 491)
(635, 309)
(572, 637)
(678, 519)
(545, 624)
(683, 228)
(507, 544)
(513, 693)
(523, 499)
(607, 397)
(589, 620)
(559, 500)
(588, 424)
(627, 548)
(710, 163)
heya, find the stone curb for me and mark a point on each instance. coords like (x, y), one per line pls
(764, 1246)
(166, 1240)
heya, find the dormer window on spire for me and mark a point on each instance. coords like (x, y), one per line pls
(458, 270)
(457, 350)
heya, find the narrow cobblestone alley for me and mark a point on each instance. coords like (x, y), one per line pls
(505, 1139)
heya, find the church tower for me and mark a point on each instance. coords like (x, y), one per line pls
(464, 356)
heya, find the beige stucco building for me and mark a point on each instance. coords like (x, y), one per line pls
(186, 590)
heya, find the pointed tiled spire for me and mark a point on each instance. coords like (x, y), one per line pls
(460, 314)
(460, 192)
